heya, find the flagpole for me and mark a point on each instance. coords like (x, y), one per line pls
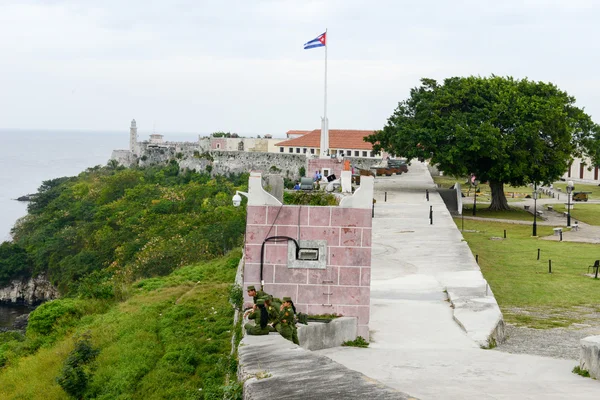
(325, 122)
(325, 98)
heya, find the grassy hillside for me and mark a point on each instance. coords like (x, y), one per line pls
(171, 339)
(97, 232)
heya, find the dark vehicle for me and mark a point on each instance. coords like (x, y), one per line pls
(580, 196)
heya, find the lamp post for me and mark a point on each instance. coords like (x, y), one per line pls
(569, 190)
(535, 196)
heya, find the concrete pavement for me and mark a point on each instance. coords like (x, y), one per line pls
(422, 345)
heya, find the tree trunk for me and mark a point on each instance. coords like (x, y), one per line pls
(499, 202)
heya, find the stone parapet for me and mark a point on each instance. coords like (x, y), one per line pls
(589, 358)
(324, 335)
(272, 367)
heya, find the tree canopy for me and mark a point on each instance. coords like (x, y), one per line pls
(501, 129)
(110, 225)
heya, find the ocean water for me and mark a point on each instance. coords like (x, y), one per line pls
(29, 157)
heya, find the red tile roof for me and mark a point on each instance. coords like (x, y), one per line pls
(338, 139)
(293, 132)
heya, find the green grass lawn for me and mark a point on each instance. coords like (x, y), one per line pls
(515, 213)
(595, 195)
(527, 294)
(170, 340)
(484, 189)
(588, 213)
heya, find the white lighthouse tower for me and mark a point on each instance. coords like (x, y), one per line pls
(133, 138)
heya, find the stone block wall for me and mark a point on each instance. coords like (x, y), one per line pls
(342, 287)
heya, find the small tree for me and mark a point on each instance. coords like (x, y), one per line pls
(500, 129)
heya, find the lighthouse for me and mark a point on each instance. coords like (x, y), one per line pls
(133, 138)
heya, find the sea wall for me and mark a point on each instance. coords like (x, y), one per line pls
(199, 156)
(30, 291)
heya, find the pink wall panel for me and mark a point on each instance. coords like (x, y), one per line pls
(343, 287)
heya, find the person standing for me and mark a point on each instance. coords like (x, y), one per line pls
(261, 320)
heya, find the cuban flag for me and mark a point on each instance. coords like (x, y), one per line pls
(319, 41)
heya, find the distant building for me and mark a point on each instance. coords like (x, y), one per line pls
(156, 138)
(295, 134)
(342, 142)
(582, 170)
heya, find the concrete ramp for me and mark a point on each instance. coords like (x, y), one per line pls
(272, 367)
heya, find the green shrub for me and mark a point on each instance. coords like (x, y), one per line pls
(581, 372)
(96, 286)
(236, 296)
(358, 342)
(44, 318)
(76, 372)
(314, 198)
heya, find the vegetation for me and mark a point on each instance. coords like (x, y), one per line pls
(313, 198)
(514, 213)
(325, 317)
(505, 131)
(525, 290)
(581, 372)
(595, 190)
(483, 188)
(170, 339)
(220, 134)
(358, 342)
(588, 213)
(144, 260)
(14, 262)
(95, 233)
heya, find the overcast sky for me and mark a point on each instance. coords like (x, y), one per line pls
(202, 66)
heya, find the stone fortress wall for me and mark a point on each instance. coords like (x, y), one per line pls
(220, 156)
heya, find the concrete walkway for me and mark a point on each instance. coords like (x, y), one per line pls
(272, 367)
(417, 346)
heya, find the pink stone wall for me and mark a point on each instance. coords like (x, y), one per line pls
(334, 165)
(222, 144)
(343, 287)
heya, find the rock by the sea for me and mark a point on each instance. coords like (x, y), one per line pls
(31, 291)
(27, 197)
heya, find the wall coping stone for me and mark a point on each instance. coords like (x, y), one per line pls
(272, 367)
(589, 358)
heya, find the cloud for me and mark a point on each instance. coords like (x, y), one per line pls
(239, 65)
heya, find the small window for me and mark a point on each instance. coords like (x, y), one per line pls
(304, 150)
(218, 145)
(356, 153)
(325, 172)
(341, 152)
(364, 153)
(372, 154)
(281, 149)
(297, 149)
(312, 151)
(348, 152)
(291, 149)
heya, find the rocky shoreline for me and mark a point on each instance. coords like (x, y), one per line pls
(27, 197)
(20, 324)
(29, 291)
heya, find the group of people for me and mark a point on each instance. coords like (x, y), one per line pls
(271, 314)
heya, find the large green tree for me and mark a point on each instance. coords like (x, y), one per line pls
(503, 130)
